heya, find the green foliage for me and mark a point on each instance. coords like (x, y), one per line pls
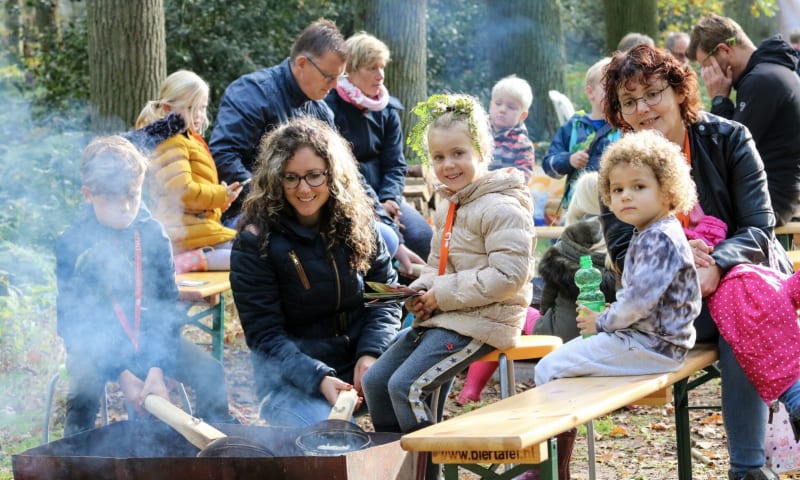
(60, 67)
(39, 168)
(222, 40)
(457, 55)
(584, 30)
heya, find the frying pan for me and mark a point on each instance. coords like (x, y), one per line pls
(210, 441)
(337, 434)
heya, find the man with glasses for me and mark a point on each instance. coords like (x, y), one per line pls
(767, 99)
(257, 102)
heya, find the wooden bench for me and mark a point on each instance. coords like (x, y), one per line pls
(520, 429)
(205, 290)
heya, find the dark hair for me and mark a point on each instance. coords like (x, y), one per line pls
(319, 38)
(644, 64)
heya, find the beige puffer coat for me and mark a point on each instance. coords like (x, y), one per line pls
(486, 288)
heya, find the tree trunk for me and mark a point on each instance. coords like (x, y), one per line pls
(402, 26)
(127, 59)
(527, 40)
(625, 16)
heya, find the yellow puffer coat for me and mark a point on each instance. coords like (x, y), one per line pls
(185, 193)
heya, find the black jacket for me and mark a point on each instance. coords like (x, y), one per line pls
(302, 309)
(377, 142)
(94, 264)
(768, 104)
(732, 186)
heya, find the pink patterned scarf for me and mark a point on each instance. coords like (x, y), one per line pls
(352, 94)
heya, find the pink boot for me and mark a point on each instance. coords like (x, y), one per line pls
(477, 376)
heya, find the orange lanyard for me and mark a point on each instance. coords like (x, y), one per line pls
(687, 152)
(446, 235)
(133, 333)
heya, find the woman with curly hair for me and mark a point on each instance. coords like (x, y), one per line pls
(648, 89)
(307, 244)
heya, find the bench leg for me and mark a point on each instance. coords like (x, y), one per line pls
(680, 395)
(590, 449)
(684, 443)
(508, 382)
(218, 329)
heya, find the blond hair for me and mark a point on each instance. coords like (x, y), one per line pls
(649, 148)
(595, 73)
(112, 166)
(517, 88)
(182, 90)
(585, 199)
(364, 50)
(348, 215)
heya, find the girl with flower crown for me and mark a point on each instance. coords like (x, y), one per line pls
(367, 117)
(476, 286)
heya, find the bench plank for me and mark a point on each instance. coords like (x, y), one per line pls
(533, 416)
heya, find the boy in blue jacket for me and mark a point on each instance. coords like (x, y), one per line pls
(117, 298)
(579, 143)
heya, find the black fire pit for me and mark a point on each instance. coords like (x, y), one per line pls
(146, 450)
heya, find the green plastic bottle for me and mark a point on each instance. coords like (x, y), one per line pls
(588, 279)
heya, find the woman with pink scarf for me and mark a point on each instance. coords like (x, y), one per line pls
(367, 117)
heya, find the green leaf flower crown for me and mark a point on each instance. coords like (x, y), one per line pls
(436, 106)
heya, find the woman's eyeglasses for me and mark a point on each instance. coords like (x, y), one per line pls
(313, 179)
(651, 99)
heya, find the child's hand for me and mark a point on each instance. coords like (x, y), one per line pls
(154, 384)
(586, 320)
(579, 159)
(233, 191)
(413, 305)
(131, 386)
(425, 305)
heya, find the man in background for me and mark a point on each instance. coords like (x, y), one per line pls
(767, 99)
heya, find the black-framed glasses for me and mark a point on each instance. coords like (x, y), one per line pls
(327, 76)
(651, 99)
(314, 178)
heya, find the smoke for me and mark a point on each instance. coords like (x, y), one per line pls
(38, 159)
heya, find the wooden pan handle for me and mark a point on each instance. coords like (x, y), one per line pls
(196, 431)
(344, 406)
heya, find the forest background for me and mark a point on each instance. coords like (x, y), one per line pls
(70, 69)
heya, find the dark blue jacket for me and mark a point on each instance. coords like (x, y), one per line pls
(377, 142)
(556, 162)
(251, 106)
(94, 264)
(302, 308)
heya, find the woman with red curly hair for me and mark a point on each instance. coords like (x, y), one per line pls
(648, 89)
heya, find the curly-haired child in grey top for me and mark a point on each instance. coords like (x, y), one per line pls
(644, 180)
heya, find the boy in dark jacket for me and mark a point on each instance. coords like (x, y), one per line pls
(117, 298)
